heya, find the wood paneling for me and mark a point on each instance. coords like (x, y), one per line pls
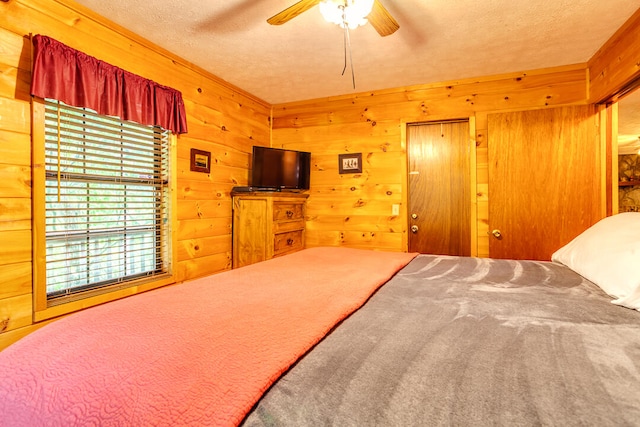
(342, 209)
(15, 214)
(203, 247)
(222, 119)
(349, 210)
(15, 280)
(355, 239)
(204, 227)
(9, 155)
(15, 115)
(16, 247)
(205, 265)
(15, 312)
(15, 181)
(617, 63)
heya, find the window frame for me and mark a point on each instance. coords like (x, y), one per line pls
(43, 308)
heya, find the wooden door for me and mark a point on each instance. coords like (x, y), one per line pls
(439, 193)
(544, 180)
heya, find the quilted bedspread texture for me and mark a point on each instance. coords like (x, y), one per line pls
(199, 353)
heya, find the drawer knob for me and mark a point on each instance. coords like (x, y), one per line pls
(289, 214)
(289, 241)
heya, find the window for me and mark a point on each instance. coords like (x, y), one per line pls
(107, 203)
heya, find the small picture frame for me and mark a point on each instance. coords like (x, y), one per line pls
(200, 160)
(350, 163)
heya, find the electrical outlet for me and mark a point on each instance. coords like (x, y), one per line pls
(395, 209)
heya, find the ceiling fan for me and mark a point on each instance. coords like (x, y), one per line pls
(380, 19)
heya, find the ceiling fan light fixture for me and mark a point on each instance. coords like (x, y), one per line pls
(352, 13)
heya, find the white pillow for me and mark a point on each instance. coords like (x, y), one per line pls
(608, 254)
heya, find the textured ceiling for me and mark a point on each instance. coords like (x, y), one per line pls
(438, 40)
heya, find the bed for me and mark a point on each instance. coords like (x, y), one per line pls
(353, 337)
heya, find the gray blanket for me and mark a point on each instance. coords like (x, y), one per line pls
(468, 341)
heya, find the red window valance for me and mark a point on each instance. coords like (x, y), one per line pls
(80, 80)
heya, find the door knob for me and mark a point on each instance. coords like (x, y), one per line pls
(414, 228)
(497, 234)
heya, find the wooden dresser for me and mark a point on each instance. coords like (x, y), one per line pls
(266, 225)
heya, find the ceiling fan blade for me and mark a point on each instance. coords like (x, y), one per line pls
(292, 11)
(381, 20)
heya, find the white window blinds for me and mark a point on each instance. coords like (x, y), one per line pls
(107, 201)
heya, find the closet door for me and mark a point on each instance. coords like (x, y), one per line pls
(544, 180)
(439, 188)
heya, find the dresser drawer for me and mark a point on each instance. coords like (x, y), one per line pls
(287, 242)
(283, 211)
(285, 226)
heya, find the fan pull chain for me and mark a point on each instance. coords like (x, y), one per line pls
(344, 42)
(347, 44)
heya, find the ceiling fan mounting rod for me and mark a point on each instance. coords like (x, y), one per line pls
(347, 44)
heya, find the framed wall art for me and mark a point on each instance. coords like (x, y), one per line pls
(350, 163)
(200, 160)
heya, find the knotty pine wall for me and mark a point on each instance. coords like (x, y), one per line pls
(356, 210)
(343, 210)
(221, 118)
(617, 63)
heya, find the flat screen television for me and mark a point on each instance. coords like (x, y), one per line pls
(279, 169)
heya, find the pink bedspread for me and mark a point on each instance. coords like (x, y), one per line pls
(199, 353)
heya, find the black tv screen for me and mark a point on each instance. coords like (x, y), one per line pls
(279, 169)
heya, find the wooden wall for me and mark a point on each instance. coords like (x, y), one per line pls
(356, 210)
(350, 210)
(222, 119)
(616, 65)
